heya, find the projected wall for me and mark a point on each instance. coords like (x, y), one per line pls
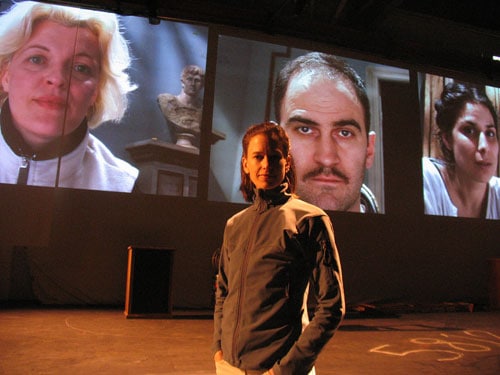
(460, 148)
(246, 73)
(124, 117)
(130, 117)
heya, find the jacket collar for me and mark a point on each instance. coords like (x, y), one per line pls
(265, 199)
(58, 147)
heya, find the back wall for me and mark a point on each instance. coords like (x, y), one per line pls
(70, 247)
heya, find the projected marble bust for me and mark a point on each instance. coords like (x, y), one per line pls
(183, 111)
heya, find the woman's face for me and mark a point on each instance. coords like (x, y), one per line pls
(265, 164)
(52, 81)
(474, 143)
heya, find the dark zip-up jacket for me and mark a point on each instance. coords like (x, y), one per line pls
(270, 251)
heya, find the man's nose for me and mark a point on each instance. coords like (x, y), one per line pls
(326, 151)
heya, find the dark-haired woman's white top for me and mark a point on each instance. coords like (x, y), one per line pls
(437, 201)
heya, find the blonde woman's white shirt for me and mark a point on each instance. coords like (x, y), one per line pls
(89, 166)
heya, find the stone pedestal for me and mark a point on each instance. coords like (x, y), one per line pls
(165, 168)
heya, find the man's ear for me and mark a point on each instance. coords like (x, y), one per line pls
(370, 150)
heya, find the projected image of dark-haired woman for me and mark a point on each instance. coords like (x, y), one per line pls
(463, 183)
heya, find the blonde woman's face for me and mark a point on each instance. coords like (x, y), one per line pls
(52, 81)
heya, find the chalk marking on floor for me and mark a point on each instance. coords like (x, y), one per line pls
(459, 347)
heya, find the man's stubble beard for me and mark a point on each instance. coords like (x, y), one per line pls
(327, 198)
(343, 198)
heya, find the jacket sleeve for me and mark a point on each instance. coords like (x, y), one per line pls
(328, 288)
(220, 295)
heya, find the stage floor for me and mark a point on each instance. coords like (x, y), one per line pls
(103, 341)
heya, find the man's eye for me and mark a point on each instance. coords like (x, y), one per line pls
(304, 129)
(345, 133)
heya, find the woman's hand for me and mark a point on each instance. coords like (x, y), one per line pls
(218, 356)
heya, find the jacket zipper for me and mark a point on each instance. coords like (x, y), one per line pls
(244, 267)
(22, 177)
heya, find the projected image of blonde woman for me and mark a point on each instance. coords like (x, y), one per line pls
(62, 73)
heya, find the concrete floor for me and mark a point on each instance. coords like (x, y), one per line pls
(103, 341)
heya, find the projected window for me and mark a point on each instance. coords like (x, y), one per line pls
(460, 163)
(336, 138)
(116, 110)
